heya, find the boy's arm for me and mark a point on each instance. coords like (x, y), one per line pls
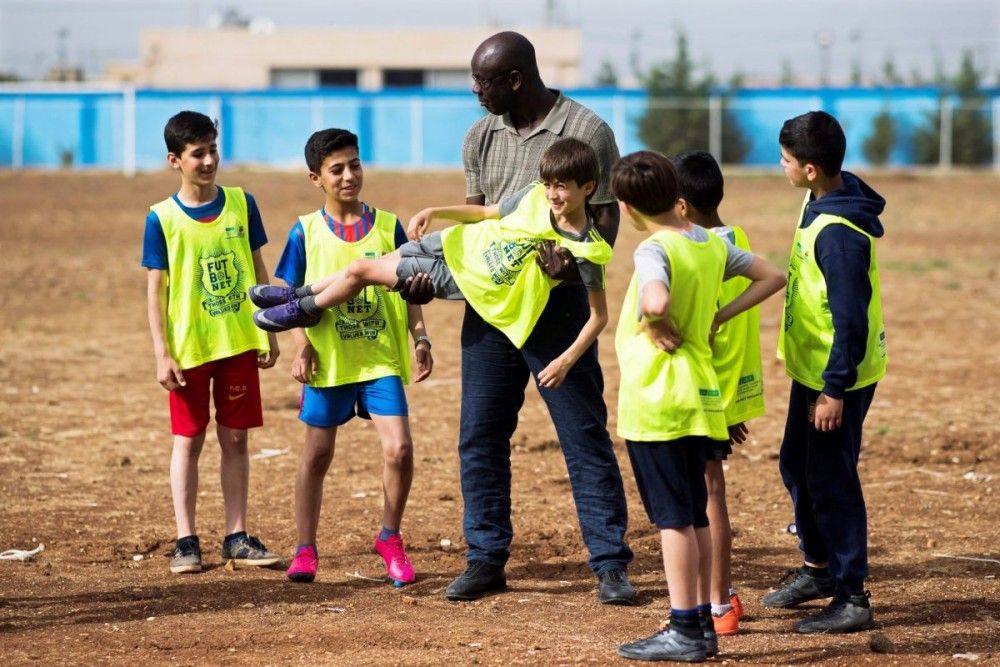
(268, 359)
(553, 375)
(168, 373)
(464, 213)
(766, 279)
(421, 342)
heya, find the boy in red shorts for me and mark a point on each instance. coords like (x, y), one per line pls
(202, 251)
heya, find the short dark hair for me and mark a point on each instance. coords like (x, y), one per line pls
(188, 127)
(646, 181)
(699, 179)
(815, 138)
(324, 142)
(569, 159)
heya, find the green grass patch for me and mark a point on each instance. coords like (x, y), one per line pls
(918, 266)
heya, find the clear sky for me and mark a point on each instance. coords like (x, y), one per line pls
(757, 38)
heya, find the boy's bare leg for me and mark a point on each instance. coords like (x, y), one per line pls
(358, 275)
(323, 283)
(722, 537)
(681, 563)
(397, 467)
(184, 480)
(313, 466)
(234, 470)
(705, 550)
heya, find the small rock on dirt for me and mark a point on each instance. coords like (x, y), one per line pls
(879, 643)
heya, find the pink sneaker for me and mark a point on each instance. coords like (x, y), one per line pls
(397, 565)
(304, 565)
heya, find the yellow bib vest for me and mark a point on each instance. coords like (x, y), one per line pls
(493, 263)
(366, 337)
(210, 270)
(736, 351)
(663, 396)
(806, 335)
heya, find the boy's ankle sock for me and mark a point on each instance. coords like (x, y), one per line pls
(308, 305)
(234, 536)
(732, 592)
(686, 621)
(821, 572)
(304, 291)
(386, 533)
(721, 609)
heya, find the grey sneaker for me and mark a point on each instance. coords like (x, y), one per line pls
(845, 613)
(186, 556)
(666, 645)
(613, 587)
(248, 550)
(799, 586)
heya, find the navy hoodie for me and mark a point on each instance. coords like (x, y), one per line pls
(844, 256)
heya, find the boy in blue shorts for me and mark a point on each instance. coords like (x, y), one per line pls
(356, 358)
(832, 340)
(737, 362)
(670, 409)
(202, 251)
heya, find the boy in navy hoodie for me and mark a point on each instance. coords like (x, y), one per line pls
(833, 343)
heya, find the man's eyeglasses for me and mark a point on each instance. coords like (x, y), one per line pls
(484, 84)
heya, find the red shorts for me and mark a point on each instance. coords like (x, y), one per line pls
(235, 385)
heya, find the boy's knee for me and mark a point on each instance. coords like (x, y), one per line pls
(234, 440)
(399, 454)
(357, 270)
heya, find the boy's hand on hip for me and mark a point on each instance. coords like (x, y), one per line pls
(169, 374)
(556, 261)
(663, 333)
(425, 362)
(829, 413)
(304, 364)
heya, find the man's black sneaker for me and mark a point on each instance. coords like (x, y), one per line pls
(667, 644)
(845, 613)
(478, 579)
(186, 556)
(613, 587)
(799, 586)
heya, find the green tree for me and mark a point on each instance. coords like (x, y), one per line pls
(677, 115)
(971, 127)
(607, 75)
(879, 144)
(787, 76)
(890, 75)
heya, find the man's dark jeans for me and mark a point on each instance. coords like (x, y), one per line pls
(494, 377)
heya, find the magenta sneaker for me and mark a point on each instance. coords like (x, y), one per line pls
(265, 296)
(397, 565)
(304, 564)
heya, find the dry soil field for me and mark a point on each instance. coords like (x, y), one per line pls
(84, 451)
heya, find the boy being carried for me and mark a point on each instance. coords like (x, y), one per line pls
(489, 264)
(202, 249)
(670, 409)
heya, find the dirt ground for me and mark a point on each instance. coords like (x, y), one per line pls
(84, 452)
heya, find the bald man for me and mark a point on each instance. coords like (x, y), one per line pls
(501, 155)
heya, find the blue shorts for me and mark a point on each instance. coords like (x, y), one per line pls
(671, 480)
(326, 407)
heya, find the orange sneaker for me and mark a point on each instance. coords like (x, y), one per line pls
(728, 624)
(734, 600)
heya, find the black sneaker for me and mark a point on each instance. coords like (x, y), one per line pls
(248, 550)
(613, 587)
(710, 636)
(667, 644)
(478, 579)
(799, 586)
(845, 613)
(186, 556)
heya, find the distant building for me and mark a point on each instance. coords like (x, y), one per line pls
(371, 59)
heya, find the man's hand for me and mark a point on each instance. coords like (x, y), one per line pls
(305, 364)
(417, 290)
(425, 361)
(169, 374)
(738, 433)
(553, 375)
(663, 333)
(557, 262)
(829, 413)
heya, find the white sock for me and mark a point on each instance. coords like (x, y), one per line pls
(732, 592)
(721, 609)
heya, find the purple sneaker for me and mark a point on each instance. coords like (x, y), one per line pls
(284, 317)
(265, 296)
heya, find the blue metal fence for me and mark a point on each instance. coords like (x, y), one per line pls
(121, 129)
